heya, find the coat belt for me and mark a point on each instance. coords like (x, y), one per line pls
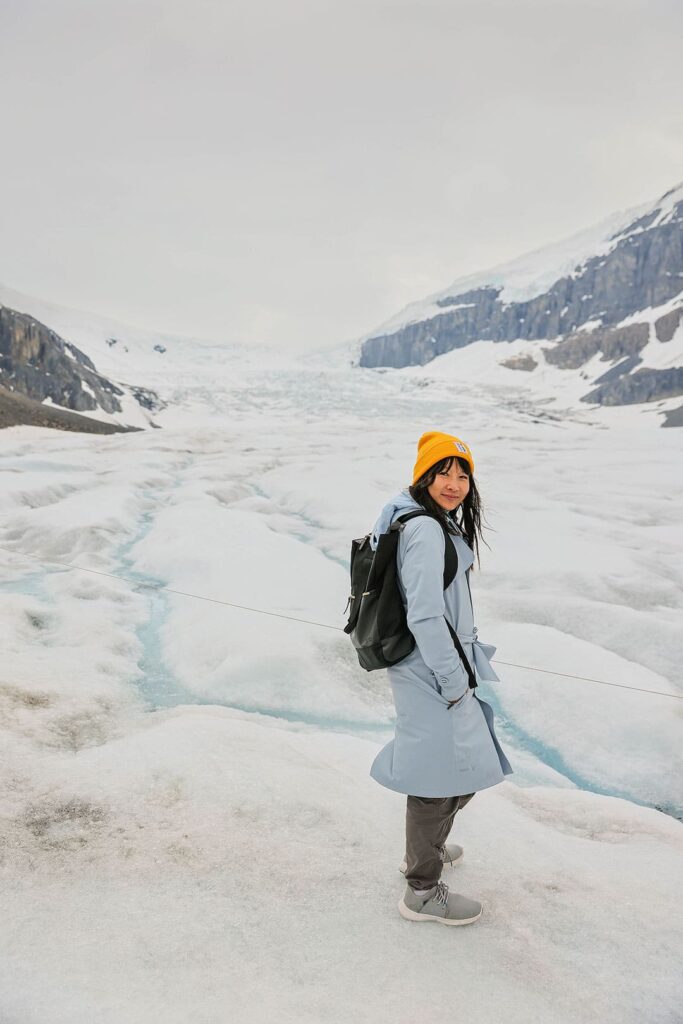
(482, 652)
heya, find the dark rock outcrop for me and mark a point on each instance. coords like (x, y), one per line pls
(667, 325)
(37, 363)
(674, 417)
(16, 409)
(520, 363)
(616, 343)
(642, 386)
(148, 399)
(625, 366)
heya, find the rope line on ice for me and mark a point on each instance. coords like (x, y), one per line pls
(311, 622)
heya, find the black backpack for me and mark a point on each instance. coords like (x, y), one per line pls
(377, 619)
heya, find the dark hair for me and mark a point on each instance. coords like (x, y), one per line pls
(470, 509)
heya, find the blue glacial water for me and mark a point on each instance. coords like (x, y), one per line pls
(159, 688)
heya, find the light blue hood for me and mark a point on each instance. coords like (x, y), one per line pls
(400, 503)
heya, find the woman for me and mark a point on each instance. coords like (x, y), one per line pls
(444, 748)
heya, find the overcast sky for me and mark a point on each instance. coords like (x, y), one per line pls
(296, 171)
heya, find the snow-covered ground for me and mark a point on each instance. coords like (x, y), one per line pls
(189, 831)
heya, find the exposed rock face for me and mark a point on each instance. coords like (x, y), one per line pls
(625, 366)
(479, 314)
(673, 418)
(39, 364)
(644, 269)
(616, 343)
(641, 268)
(667, 325)
(520, 363)
(642, 386)
(148, 399)
(17, 409)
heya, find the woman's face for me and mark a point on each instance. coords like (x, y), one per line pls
(450, 488)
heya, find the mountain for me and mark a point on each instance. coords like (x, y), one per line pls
(610, 295)
(43, 369)
(85, 363)
(123, 376)
(39, 364)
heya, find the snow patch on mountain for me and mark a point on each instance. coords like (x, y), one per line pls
(535, 272)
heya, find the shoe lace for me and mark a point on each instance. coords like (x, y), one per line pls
(441, 894)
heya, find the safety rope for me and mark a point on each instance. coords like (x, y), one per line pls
(309, 622)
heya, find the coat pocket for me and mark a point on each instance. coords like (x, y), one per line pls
(465, 699)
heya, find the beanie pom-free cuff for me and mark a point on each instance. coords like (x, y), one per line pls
(435, 446)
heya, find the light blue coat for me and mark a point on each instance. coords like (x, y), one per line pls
(437, 751)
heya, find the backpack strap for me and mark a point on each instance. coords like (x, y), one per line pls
(463, 656)
(449, 573)
(450, 568)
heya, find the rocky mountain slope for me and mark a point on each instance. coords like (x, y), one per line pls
(39, 364)
(18, 410)
(42, 372)
(83, 355)
(615, 292)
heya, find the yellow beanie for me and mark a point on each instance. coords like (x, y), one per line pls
(433, 447)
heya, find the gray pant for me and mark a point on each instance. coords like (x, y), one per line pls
(428, 823)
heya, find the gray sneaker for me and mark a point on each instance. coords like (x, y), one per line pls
(452, 855)
(439, 905)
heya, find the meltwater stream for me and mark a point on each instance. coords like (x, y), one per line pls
(158, 685)
(161, 689)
